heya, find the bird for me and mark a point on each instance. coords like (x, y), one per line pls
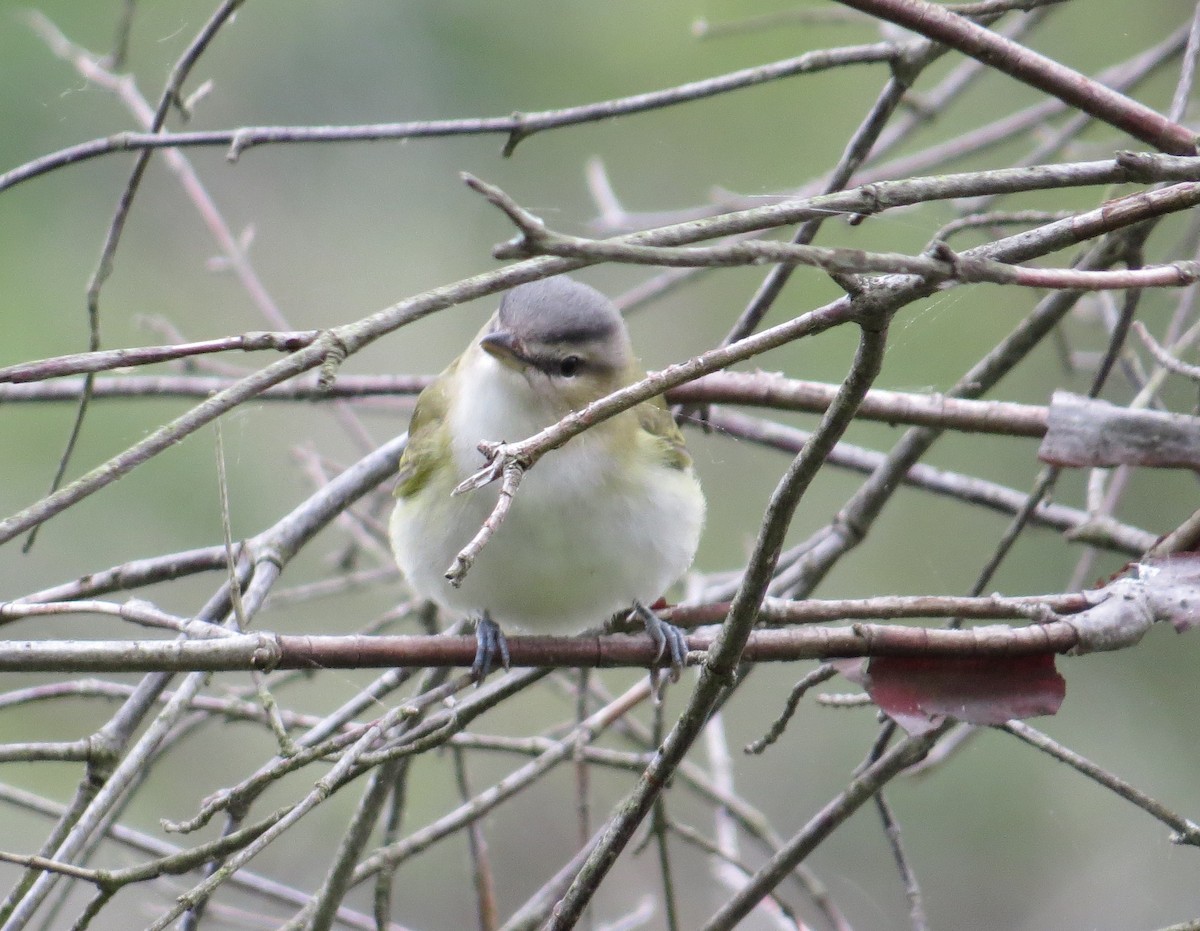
(604, 524)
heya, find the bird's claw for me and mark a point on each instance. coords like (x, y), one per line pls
(669, 639)
(490, 645)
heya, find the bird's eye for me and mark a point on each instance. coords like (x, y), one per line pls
(569, 367)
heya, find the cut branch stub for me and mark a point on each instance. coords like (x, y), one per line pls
(1089, 433)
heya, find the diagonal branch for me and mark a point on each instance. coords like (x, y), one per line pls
(718, 669)
(1038, 71)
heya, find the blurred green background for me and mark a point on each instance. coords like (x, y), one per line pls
(1001, 838)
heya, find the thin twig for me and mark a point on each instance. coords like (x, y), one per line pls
(1163, 357)
(516, 127)
(862, 787)
(485, 884)
(912, 889)
(822, 673)
(513, 471)
(104, 265)
(1186, 831)
(107, 359)
(1187, 72)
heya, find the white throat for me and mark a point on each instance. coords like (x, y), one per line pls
(493, 402)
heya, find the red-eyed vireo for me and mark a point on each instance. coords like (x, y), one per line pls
(604, 523)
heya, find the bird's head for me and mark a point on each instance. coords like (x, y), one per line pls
(567, 341)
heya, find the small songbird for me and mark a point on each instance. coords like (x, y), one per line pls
(605, 523)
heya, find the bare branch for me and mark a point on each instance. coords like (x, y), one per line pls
(1036, 70)
(516, 127)
(108, 359)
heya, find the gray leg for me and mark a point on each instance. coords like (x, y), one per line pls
(669, 639)
(490, 646)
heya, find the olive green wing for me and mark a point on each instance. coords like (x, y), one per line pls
(428, 448)
(655, 419)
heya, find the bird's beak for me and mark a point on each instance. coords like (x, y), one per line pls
(504, 347)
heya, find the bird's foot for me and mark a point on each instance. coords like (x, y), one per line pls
(490, 646)
(669, 639)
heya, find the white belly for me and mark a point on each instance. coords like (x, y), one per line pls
(570, 554)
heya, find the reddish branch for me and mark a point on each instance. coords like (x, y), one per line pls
(272, 651)
(1038, 71)
(246, 652)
